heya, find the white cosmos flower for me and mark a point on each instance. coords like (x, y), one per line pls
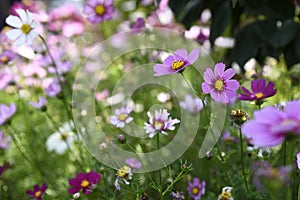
(24, 25)
(61, 140)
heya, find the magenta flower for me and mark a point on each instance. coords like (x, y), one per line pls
(133, 163)
(121, 117)
(37, 192)
(270, 126)
(6, 112)
(41, 103)
(84, 182)
(298, 160)
(219, 85)
(4, 167)
(6, 56)
(138, 25)
(4, 141)
(159, 123)
(176, 63)
(196, 189)
(260, 91)
(99, 10)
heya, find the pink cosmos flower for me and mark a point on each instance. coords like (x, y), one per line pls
(84, 182)
(121, 117)
(219, 85)
(270, 126)
(176, 63)
(159, 123)
(99, 10)
(259, 89)
(133, 163)
(37, 192)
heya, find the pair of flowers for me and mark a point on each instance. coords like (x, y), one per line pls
(217, 83)
(158, 123)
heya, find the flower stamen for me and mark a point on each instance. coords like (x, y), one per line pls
(259, 95)
(100, 10)
(25, 28)
(85, 183)
(177, 64)
(219, 85)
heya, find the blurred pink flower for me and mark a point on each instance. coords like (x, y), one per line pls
(99, 10)
(4, 141)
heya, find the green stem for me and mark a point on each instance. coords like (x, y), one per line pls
(159, 171)
(242, 161)
(217, 142)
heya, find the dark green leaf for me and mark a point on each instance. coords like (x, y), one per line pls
(221, 16)
(275, 34)
(188, 11)
(247, 45)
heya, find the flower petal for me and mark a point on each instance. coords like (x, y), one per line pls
(22, 15)
(193, 56)
(209, 76)
(206, 88)
(181, 54)
(258, 86)
(219, 70)
(228, 74)
(232, 84)
(13, 34)
(14, 21)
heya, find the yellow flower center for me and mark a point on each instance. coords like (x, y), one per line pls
(123, 171)
(4, 59)
(195, 190)
(25, 28)
(84, 183)
(259, 95)
(177, 64)
(122, 117)
(100, 10)
(225, 195)
(38, 194)
(219, 85)
(158, 125)
(64, 136)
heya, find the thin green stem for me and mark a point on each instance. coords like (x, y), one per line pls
(159, 171)
(242, 161)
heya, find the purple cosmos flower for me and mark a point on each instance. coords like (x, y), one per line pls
(6, 112)
(191, 104)
(227, 137)
(125, 174)
(121, 117)
(6, 56)
(84, 182)
(270, 126)
(219, 85)
(4, 167)
(53, 88)
(99, 10)
(260, 91)
(138, 25)
(177, 195)
(264, 175)
(41, 103)
(37, 192)
(160, 123)
(4, 141)
(298, 160)
(176, 63)
(133, 163)
(196, 189)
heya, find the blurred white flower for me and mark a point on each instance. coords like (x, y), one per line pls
(61, 140)
(24, 25)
